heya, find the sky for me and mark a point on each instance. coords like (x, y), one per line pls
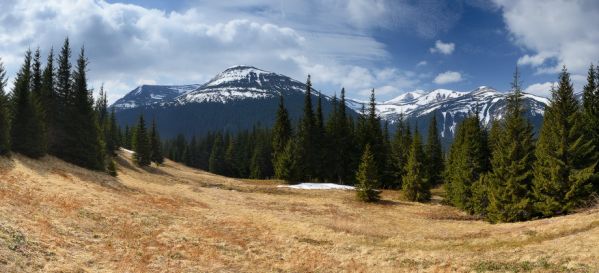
(393, 46)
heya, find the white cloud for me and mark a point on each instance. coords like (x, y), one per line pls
(422, 63)
(448, 77)
(129, 44)
(443, 48)
(556, 31)
(540, 89)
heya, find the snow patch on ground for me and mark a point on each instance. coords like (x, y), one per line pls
(317, 186)
(127, 151)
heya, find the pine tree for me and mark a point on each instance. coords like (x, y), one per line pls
(85, 147)
(258, 168)
(511, 177)
(143, 149)
(345, 150)
(367, 177)
(4, 114)
(434, 154)
(400, 149)
(48, 101)
(566, 158)
(62, 104)
(304, 155)
(217, 156)
(112, 134)
(284, 164)
(36, 75)
(156, 145)
(27, 130)
(415, 185)
(590, 105)
(467, 161)
(319, 142)
(280, 136)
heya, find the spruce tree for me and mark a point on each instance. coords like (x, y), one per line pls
(62, 104)
(284, 164)
(156, 145)
(319, 142)
(143, 149)
(48, 101)
(217, 156)
(400, 150)
(434, 154)
(27, 129)
(344, 148)
(566, 157)
(367, 177)
(36, 75)
(4, 114)
(590, 105)
(510, 182)
(467, 161)
(281, 135)
(112, 134)
(304, 155)
(415, 185)
(85, 147)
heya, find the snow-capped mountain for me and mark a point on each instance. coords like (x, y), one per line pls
(145, 95)
(242, 82)
(235, 99)
(242, 96)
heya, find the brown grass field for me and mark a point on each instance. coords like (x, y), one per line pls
(55, 217)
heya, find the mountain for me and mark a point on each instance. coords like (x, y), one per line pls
(238, 98)
(145, 95)
(243, 96)
(451, 107)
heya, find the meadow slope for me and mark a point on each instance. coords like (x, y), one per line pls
(55, 217)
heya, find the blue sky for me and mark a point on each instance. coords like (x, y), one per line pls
(393, 46)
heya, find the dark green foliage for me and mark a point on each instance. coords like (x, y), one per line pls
(340, 151)
(480, 195)
(415, 185)
(400, 150)
(142, 147)
(156, 145)
(111, 133)
(284, 164)
(217, 156)
(590, 106)
(510, 181)
(62, 104)
(83, 144)
(367, 177)
(4, 114)
(566, 157)
(49, 102)
(27, 129)
(434, 154)
(281, 135)
(468, 159)
(305, 148)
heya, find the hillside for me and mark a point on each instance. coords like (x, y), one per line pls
(55, 217)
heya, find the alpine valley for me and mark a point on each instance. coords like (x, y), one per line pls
(244, 96)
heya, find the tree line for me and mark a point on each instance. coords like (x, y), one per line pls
(51, 110)
(503, 171)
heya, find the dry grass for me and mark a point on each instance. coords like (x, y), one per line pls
(55, 217)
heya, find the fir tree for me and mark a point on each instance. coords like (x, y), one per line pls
(217, 156)
(468, 160)
(566, 158)
(4, 114)
(434, 154)
(511, 177)
(27, 130)
(281, 135)
(590, 105)
(400, 149)
(367, 177)
(143, 149)
(36, 75)
(415, 185)
(304, 155)
(284, 164)
(48, 101)
(85, 147)
(62, 104)
(112, 134)
(156, 145)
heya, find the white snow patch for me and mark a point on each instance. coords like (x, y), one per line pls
(317, 186)
(127, 151)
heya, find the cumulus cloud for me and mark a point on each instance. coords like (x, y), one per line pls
(448, 77)
(443, 48)
(540, 89)
(556, 31)
(129, 44)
